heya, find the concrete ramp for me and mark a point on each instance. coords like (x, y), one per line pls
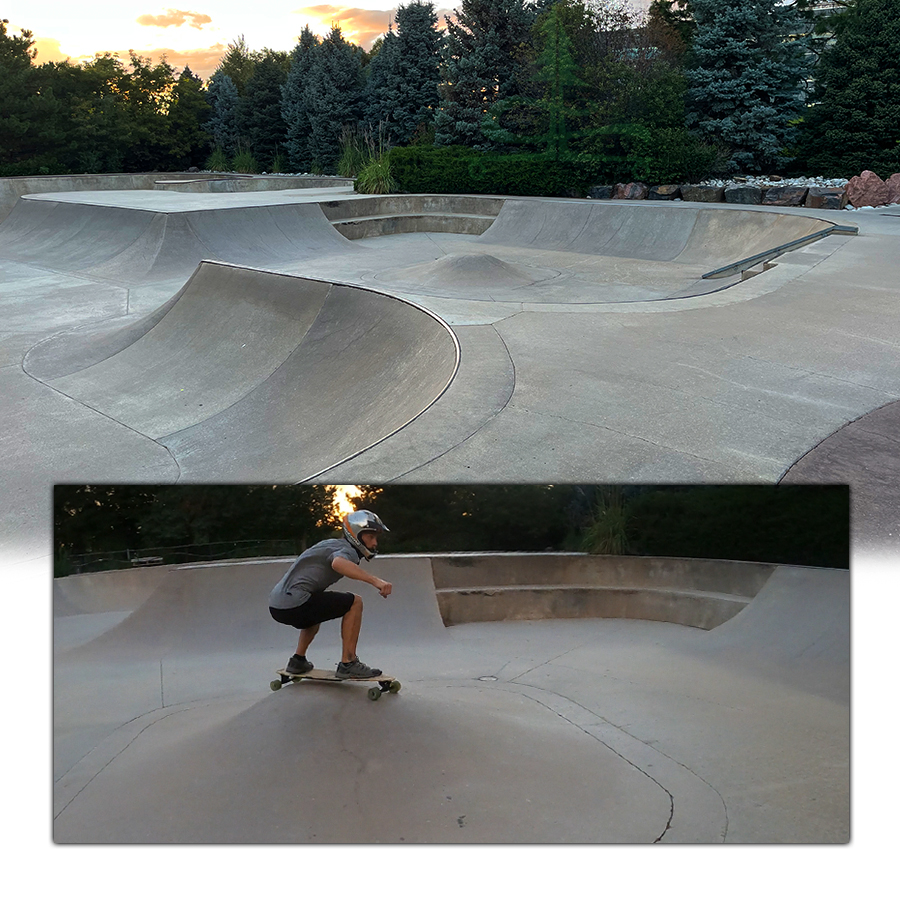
(213, 608)
(131, 245)
(796, 630)
(297, 372)
(710, 237)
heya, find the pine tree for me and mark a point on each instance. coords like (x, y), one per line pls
(855, 124)
(482, 60)
(238, 63)
(745, 74)
(222, 123)
(383, 85)
(419, 46)
(259, 111)
(294, 109)
(333, 97)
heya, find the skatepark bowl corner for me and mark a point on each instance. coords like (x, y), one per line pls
(547, 698)
(174, 331)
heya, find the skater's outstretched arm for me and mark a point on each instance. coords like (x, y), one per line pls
(358, 573)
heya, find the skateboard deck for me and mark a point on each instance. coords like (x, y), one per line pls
(384, 683)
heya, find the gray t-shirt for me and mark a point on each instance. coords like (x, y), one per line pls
(311, 572)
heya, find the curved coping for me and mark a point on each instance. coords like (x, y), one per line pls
(394, 297)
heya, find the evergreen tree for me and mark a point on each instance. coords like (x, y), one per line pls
(294, 110)
(383, 85)
(415, 98)
(483, 60)
(238, 63)
(544, 113)
(855, 123)
(222, 122)
(745, 74)
(333, 97)
(259, 120)
(188, 113)
(27, 110)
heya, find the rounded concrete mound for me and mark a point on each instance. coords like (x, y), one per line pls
(467, 270)
(595, 730)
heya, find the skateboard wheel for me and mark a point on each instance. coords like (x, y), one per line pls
(395, 687)
(275, 685)
(374, 693)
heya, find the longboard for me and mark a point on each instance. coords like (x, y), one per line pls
(385, 683)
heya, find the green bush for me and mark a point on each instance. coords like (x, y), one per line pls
(375, 177)
(218, 161)
(245, 163)
(625, 153)
(605, 156)
(461, 170)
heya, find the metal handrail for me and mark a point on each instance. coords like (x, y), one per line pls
(743, 264)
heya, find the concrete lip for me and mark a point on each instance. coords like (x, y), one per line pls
(600, 730)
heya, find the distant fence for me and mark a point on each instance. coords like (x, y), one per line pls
(80, 563)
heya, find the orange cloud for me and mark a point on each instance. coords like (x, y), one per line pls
(362, 26)
(176, 17)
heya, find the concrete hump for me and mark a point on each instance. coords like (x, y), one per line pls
(680, 234)
(470, 270)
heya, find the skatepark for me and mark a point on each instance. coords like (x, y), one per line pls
(165, 335)
(570, 699)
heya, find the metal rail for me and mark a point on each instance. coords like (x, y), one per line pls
(750, 261)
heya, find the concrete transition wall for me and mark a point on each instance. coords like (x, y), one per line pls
(496, 587)
(476, 587)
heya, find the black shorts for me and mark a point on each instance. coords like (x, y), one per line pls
(319, 608)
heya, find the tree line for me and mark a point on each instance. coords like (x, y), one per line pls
(738, 85)
(107, 526)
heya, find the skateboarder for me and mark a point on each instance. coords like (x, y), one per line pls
(301, 598)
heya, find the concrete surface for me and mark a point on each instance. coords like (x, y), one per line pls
(590, 346)
(595, 731)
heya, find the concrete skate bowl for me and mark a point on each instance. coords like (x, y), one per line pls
(575, 252)
(131, 245)
(251, 374)
(600, 730)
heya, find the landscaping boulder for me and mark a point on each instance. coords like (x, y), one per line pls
(893, 185)
(826, 198)
(867, 190)
(748, 194)
(634, 190)
(785, 195)
(601, 191)
(664, 192)
(702, 193)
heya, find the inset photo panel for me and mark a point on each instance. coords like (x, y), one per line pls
(451, 664)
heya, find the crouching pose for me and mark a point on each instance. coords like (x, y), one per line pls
(301, 598)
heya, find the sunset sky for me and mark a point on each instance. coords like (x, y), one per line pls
(196, 36)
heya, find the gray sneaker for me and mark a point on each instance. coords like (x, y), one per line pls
(356, 669)
(298, 665)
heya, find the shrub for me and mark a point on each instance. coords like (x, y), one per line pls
(245, 163)
(218, 161)
(375, 177)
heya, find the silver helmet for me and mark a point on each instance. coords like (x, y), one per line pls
(356, 523)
